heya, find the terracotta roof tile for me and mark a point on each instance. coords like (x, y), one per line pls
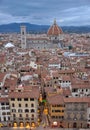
(77, 99)
(54, 30)
(55, 99)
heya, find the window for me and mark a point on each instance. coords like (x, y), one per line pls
(13, 110)
(19, 110)
(53, 117)
(19, 99)
(27, 116)
(62, 110)
(20, 115)
(31, 99)
(14, 115)
(55, 82)
(74, 90)
(2, 103)
(3, 108)
(4, 118)
(7, 108)
(25, 99)
(26, 105)
(57, 110)
(8, 118)
(3, 113)
(7, 103)
(32, 105)
(13, 105)
(32, 115)
(26, 110)
(19, 105)
(5, 88)
(32, 110)
(8, 113)
(12, 99)
(86, 90)
(19, 90)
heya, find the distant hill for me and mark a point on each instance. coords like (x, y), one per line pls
(33, 28)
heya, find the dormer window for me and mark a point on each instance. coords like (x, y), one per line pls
(19, 90)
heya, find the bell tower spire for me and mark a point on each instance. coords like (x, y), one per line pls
(23, 37)
(55, 21)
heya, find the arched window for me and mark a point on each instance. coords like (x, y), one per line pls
(32, 110)
(26, 110)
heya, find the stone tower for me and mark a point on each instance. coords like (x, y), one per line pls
(23, 37)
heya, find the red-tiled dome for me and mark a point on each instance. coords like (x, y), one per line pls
(54, 29)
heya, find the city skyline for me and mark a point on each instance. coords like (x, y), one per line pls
(66, 12)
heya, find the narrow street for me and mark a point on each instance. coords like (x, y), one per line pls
(40, 128)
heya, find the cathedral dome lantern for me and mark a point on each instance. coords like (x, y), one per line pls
(54, 30)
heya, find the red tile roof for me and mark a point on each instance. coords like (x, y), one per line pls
(54, 30)
(26, 92)
(77, 99)
(3, 99)
(55, 99)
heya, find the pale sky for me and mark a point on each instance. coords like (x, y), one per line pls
(43, 12)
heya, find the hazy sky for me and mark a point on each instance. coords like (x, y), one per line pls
(66, 12)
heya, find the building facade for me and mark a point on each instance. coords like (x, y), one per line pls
(24, 106)
(76, 112)
(4, 111)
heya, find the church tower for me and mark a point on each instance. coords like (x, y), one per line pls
(23, 37)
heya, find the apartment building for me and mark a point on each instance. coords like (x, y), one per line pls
(56, 107)
(24, 105)
(75, 114)
(5, 111)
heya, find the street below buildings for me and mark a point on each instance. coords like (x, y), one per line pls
(41, 128)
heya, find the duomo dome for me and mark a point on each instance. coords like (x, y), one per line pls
(54, 30)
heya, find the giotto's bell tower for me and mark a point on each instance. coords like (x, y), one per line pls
(23, 37)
